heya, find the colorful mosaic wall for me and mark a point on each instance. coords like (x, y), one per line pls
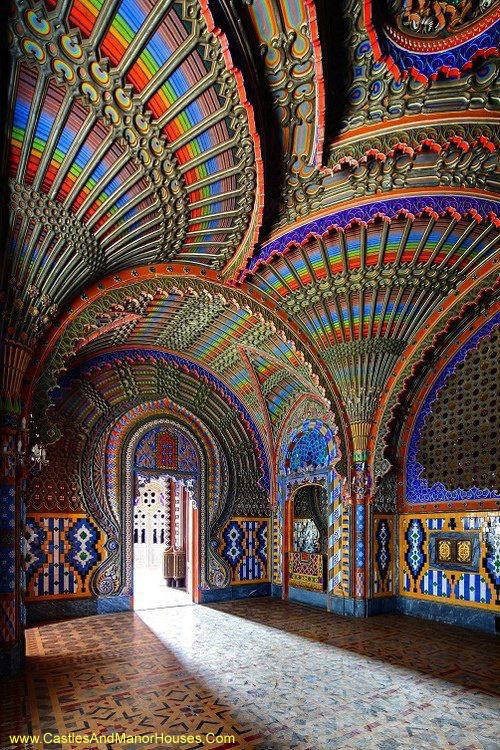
(166, 449)
(451, 558)
(244, 546)
(54, 488)
(7, 537)
(308, 455)
(311, 446)
(339, 538)
(62, 552)
(307, 570)
(383, 555)
(452, 451)
(277, 546)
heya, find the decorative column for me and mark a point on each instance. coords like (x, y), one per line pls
(13, 445)
(361, 484)
(361, 369)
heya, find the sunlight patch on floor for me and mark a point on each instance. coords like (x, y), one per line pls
(152, 592)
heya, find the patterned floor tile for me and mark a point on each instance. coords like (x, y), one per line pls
(275, 675)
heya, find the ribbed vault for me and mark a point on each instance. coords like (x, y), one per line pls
(96, 394)
(131, 141)
(227, 333)
(361, 294)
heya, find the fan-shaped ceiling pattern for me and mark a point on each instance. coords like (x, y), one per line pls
(131, 142)
(133, 147)
(383, 126)
(362, 293)
(109, 382)
(104, 395)
(232, 339)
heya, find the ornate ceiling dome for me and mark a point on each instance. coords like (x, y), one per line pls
(132, 142)
(143, 216)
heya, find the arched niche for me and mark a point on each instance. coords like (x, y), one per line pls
(307, 458)
(310, 519)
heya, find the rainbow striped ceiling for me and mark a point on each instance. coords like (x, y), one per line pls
(130, 133)
(361, 294)
(375, 279)
(133, 154)
(110, 384)
(255, 360)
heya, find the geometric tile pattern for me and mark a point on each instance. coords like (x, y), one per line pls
(424, 576)
(166, 450)
(277, 546)
(328, 682)
(415, 557)
(383, 546)
(310, 449)
(82, 538)
(336, 540)
(7, 617)
(244, 546)
(451, 453)
(360, 549)
(61, 552)
(306, 570)
(7, 525)
(34, 556)
(312, 444)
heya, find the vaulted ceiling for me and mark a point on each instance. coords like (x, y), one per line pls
(296, 195)
(131, 142)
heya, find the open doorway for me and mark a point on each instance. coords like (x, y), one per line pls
(162, 549)
(163, 502)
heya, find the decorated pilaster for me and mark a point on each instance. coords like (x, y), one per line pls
(356, 495)
(360, 495)
(13, 443)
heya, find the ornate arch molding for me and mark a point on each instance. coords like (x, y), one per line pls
(323, 474)
(469, 294)
(308, 406)
(114, 576)
(442, 201)
(52, 357)
(417, 364)
(415, 492)
(449, 52)
(290, 442)
(200, 373)
(417, 374)
(470, 316)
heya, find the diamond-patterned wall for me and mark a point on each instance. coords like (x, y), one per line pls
(245, 547)
(62, 551)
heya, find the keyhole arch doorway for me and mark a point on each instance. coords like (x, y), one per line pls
(161, 516)
(165, 484)
(294, 518)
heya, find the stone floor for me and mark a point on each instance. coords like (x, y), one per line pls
(274, 675)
